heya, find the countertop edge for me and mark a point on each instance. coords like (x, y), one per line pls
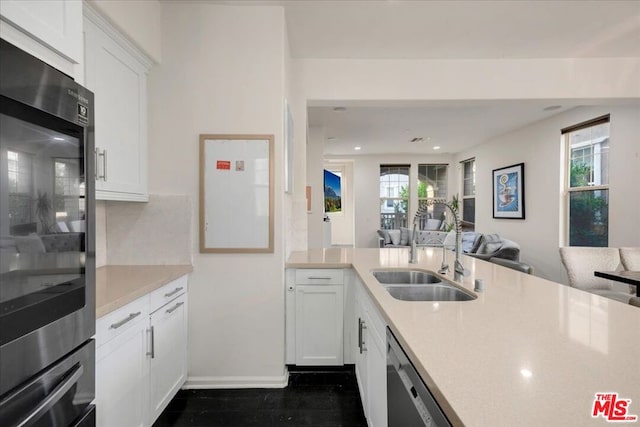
(159, 276)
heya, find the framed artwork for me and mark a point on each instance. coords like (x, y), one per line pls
(236, 193)
(332, 192)
(508, 192)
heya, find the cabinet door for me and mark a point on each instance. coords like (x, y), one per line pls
(360, 353)
(118, 80)
(376, 376)
(122, 379)
(319, 328)
(56, 23)
(168, 358)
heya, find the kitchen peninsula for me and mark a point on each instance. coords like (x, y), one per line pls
(526, 352)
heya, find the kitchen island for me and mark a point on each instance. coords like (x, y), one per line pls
(526, 352)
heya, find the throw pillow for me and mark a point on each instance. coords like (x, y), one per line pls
(479, 238)
(405, 236)
(385, 235)
(490, 244)
(31, 243)
(433, 224)
(395, 237)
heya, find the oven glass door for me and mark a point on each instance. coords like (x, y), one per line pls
(42, 219)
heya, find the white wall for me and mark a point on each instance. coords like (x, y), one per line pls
(539, 147)
(139, 19)
(223, 72)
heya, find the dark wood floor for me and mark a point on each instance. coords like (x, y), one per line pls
(312, 399)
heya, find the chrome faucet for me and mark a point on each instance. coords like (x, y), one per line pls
(458, 267)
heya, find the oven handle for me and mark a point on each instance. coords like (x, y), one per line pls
(54, 397)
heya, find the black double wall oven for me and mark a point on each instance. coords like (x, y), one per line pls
(47, 245)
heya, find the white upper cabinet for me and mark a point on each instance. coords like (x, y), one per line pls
(116, 72)
(50, 30)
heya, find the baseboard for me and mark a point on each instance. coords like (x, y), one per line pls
(236, 382)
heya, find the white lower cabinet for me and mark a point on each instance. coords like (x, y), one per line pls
(319, 330)
(141, 358)
(331, 320)
(168, 364)
(122, 374)
(315, 317)
(370, 358)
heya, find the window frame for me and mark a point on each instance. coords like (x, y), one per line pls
(469, 225)
(420, 200)
(568, 189)
(395, 199)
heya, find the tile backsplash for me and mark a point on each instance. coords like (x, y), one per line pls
(101, 234)
(154, 233)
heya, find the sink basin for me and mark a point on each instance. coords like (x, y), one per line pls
(419, 285)
(411, 277)
(431, 292)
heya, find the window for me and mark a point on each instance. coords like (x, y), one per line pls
(20, 180)
(469, 193)
(432, 184)
(394, 196)
(587, 183)
(68, 202)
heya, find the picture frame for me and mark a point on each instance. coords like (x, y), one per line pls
(236, 193)
(508, 192)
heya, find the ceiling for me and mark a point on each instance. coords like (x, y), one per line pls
(421, 29)
(459, 29)
(453, 128)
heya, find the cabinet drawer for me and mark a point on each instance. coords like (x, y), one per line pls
(319, 276)
(167, 293)
(121, 320)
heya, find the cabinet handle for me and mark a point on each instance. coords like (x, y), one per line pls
(361, 327)
(174, 308)
(102, 154)
(173, 292)
(123, 321)
(318, 278)
(152, 351)
(104, 164)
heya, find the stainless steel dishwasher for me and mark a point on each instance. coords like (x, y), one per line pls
(409, 402)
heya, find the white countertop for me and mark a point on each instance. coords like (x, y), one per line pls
(526, 352)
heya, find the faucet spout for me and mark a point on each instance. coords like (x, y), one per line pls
(458, 267)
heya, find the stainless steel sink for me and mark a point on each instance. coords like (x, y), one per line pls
(430, 292)
(412, 277)
(419, 285)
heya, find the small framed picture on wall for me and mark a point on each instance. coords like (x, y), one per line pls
(508, 192)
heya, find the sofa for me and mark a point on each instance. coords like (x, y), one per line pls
(488, 247)
(34, 243)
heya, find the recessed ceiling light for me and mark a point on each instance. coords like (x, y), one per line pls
(437, 147)
(339, 109)
(552, 107)
(57, 138)
(357, 148)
